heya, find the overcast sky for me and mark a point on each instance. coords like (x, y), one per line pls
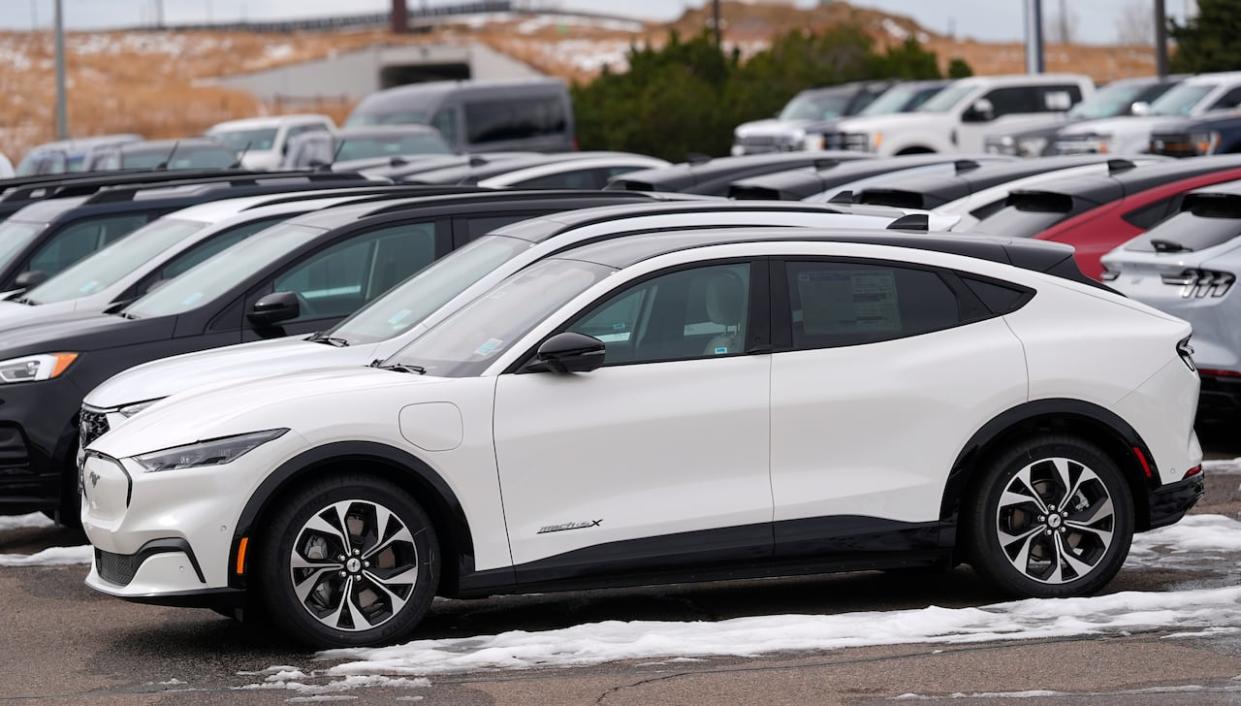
(982, 19)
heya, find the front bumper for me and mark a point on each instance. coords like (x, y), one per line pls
(1169, 503)
(38, 442)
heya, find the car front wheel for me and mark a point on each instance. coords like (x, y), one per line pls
(349, 561)
(1053, 517)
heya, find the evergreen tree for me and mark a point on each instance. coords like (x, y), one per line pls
(1208, 42)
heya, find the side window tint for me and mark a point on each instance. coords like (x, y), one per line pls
(688, 314)
(996, 297)
(1149, 215)
(342, 278)
(579, 179)
(476, 228)
(204, 250)
(1009, 101)
(845, 304)
(515, 119)
(82, 239)
(1228, 101)
(446, 122)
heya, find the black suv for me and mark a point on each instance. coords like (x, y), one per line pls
(299, 276)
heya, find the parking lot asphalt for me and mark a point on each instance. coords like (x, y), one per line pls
(62, 644)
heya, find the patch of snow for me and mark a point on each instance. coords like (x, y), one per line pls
(1229, 466)
(1208, 632)
(347, 683)
(597, 643)
(34, 519)
(539, 22)
(170, 682)
(1196, 538)
(320, 697)
(894, 30)
(53, 556)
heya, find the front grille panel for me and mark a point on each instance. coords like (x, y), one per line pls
(91, 426)
(117, 568)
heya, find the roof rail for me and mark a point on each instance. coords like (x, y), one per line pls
(920, 222)
(515, 195)
(81, 185)
(128, 192)
(821, 164)
(1116, 166)
(697, 158)
(364, 194)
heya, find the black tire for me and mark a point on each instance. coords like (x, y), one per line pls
(274, 558)
(982, 520)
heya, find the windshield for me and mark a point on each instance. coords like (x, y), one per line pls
(391, 146)
(816, 106)
(15, 237)
(465, 343)
(395, 117)
(417, 297)
(205, 157)
(222, 272)
(900, 99)
(1109, 102)
(1181, 99)
(247, 140)
(110, 264)
(1020, 221)
(947, 99)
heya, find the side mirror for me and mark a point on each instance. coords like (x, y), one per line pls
(30, 279)
(273, 309)
(570, 352)
(980, 112)
(1140, 108)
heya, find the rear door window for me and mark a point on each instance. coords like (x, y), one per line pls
(499, 120)
(81, 239)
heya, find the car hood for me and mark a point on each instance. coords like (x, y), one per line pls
(222, 366)
(772, 126)
(1118, 127)
(80, 331)
(270, 403)
(895, 121)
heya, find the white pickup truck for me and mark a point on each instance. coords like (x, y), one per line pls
(961, 116)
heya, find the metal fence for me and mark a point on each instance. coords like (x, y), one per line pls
(355, 21)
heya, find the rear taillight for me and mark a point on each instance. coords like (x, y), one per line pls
(1196, 284)
(1186, 351)
(1213, 373)
(1196, 470)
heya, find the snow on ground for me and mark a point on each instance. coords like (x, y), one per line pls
(597, 643)
(54, 556)
(1196, 542)
(1228, 466)
(295, 680)
(34, 519)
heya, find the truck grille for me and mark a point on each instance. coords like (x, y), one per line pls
(91, 426)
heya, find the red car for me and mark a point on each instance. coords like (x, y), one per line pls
(1098, 213)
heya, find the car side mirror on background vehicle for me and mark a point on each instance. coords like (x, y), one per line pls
(30, 279)
(980, 112)
(1140, 108)
(274, 308)
(569, 352)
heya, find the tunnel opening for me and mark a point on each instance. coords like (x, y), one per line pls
(403, 74)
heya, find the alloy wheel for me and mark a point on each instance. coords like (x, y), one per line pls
(1055, 520)
(354, 565)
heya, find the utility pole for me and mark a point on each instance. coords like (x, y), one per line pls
(159, 14)
(1161, 39)
(1065, 31)
(1034, 37)
(715, 24)
(62, 114)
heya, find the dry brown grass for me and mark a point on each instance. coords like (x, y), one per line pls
(150, 83)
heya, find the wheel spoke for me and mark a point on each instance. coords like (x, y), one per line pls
(401, 535)
(381, 525)
(342, 511)
(301, 562)
(1009, 497)
(334, 618)
(393, 599)
(1007, 539)
(1022, 560)
(316, 523)
(1066, 480)
(355, 613)
(1101, 510)
(1104, 536)
(1065, 555)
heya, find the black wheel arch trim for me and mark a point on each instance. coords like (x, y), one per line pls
(964, 468)
(381, 455)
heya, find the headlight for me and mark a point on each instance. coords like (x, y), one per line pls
(130, 410)
(214, 452)
(36, 367)
(812, 143)
(1204, 142)
(1102, 144)
(1031, 146)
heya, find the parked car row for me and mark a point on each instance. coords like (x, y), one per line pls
(321, 398)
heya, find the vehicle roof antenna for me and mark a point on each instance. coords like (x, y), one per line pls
(478, 160)
(965, 165)
(241, 156)
(845, 196)
(335, 155)
(697, 158)
(163, 166)
(1116, 166)
(822, 164)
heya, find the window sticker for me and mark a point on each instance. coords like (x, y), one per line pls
(849, 302)
(721, 350)
(489, 346)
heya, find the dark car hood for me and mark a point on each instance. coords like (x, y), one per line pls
(81, 332)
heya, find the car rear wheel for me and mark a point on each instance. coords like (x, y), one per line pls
(349, 561)
(1053, 517)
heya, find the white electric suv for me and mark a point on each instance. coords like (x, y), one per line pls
(842, 401)
(410, 308)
